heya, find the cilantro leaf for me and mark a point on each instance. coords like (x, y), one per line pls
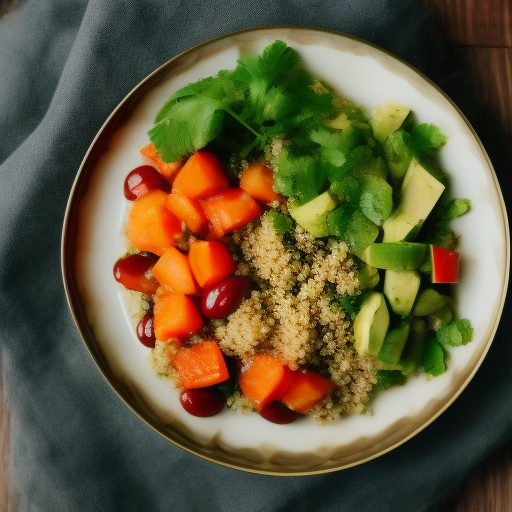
(389, 378)
(353, 227)
(376, 200)
(455, 208)
(397, 152)
(194, 116)
(351, 304)
(282, 223)
(296, 176)
(192, 124)
(456, 333)
(426, 138)
(347, 189)
(433, 360)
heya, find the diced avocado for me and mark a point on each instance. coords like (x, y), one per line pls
(312, 216)
(428, 302)
(413, 350)
(371, 325)
(338, 123)
(379, 365)
(440, 318)
(395, 256)
(420, 192)
(387, 119)
(394, 344)
(397, 154)
(401, 288)
(368, 276)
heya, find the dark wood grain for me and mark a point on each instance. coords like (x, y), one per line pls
(475, 22)
(487, 73)
(479, 33)
(487, 489)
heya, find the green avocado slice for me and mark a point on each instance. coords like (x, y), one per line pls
(371, 325)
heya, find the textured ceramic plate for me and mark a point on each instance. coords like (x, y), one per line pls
(93, 240)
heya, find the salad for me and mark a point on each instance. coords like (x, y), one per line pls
(293, 255)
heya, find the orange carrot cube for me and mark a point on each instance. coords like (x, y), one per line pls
(151, 226)
(264, 380)
(176, 316)
(258, 181)
(187, 210)
(167, 169)
(230, 209)
(306, 389)
(200, 365)
(201, 176)
(210, 262)
(173, 270)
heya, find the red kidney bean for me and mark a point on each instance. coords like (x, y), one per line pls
(145, 331)
(224, 297)
(203, 402)
(142, 180)
(133, 272)
(276, 412)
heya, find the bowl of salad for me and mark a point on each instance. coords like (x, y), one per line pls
(287, 251)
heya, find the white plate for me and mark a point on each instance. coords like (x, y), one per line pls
(93, 240)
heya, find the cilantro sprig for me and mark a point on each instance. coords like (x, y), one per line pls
(243, 109)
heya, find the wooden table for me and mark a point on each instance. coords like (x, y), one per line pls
(479, 33)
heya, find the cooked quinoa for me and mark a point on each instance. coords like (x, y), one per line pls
(290, 315)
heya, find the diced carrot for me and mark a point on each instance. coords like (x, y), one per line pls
(200, 365)
(230, 209)
(176, 316)
(201, 176)
(210, 261)
(167, 169)
(264, 380)
(307, 388)
(151, 226)
(258, 181)
(173, 270)
(188, 210)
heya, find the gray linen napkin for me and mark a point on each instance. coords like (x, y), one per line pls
(75, 446)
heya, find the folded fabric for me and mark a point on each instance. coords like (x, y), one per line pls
(64, 66)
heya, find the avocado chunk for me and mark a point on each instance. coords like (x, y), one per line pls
(440, 318)
(312, 216)
(395, 256)
(371, 325)
(420, 192)
(401, 288)
(394, 344)
(428, 302)
(387, 119)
